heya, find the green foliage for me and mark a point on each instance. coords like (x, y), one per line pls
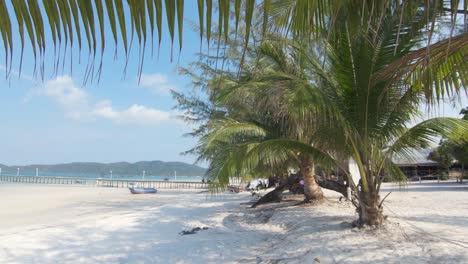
(464, 112)
(442, 155)
(70, 23)
(331, 100)
(453, 149)
(444, 175)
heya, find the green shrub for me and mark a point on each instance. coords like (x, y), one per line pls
(444, 176)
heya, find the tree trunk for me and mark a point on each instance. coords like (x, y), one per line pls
(334, 186)
(272, 196)
(462, 173)
(276, 194)
(370, 210)
(312, 190)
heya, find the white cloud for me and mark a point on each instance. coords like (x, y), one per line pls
(76, 105)
(72, 99)
(135, 114)
(104, 109)
(157, 83)
(64, 91)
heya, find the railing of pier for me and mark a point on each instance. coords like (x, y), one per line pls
(118, 183)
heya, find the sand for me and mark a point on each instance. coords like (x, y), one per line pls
(427, 223)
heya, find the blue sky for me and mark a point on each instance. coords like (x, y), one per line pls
(60, 119)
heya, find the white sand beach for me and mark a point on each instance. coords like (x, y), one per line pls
(427, 223)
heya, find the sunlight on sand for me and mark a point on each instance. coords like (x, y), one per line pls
(70, 224)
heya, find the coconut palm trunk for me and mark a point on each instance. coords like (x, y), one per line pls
(312, 190)
(366, 193)
(370, 210)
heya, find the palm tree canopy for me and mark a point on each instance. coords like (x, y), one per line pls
(82, 23)
(349, 93)
(363, 108)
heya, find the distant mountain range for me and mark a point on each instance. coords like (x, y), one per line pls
(159, 168)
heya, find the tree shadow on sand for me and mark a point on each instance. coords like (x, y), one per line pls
(149, 235)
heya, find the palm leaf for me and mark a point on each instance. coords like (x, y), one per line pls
(441, 73)
(277, 151)
(229, 130)
(296, 18)
(423, 134)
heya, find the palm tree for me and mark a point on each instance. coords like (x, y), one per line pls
(358, 105)
(371, 102)
(257, 104)
(79, 24)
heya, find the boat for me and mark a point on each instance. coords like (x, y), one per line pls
(142, 190)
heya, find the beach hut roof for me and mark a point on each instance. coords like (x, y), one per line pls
(418, 157)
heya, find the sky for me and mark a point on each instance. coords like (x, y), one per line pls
(63, 119)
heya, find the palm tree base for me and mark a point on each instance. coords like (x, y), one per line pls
(370, 210)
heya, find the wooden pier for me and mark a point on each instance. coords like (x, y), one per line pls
(105, 182)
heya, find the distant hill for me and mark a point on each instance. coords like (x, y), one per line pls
(123, 168)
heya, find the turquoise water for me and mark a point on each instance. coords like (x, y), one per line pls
(108, 176)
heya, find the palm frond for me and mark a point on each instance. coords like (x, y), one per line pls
(440, 74)
(227, 164)
(423, 134)
(73, 22)
(231, 131)
(277, 151)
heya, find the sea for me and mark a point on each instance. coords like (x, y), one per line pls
(108, 176)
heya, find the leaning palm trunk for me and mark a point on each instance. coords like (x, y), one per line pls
(312, 190)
